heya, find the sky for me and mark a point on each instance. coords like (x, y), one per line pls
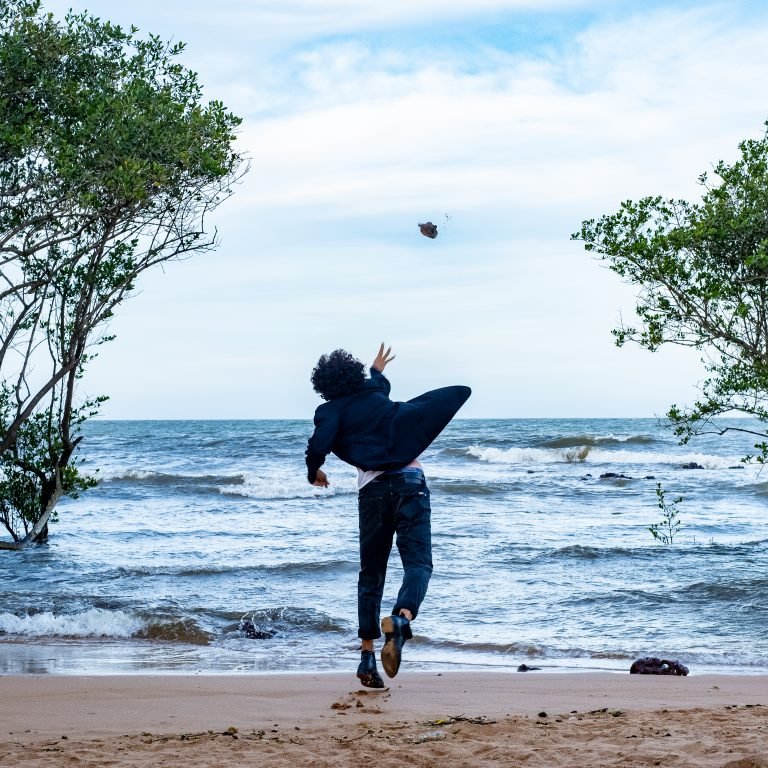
(504, 122)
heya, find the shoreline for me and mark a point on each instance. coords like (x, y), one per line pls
(435, 719)
(104, 657)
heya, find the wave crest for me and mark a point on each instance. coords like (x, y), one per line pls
(279, 486)
(183, 631)
(95, 622)
(574, 441)
(594, 456)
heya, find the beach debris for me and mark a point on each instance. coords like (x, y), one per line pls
(431, 736)
(449, 719)
(526, 668)
(650, 665)
(428, 229)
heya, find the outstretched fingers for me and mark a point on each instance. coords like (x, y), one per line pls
(383, 357)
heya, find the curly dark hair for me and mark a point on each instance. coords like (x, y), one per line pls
(337, 375)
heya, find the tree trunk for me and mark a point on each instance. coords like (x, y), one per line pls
(39, 531)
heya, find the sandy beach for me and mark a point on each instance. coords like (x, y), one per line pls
(447, 719)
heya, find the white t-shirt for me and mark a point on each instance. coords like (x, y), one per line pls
(365, 476)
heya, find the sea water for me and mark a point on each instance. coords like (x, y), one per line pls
(199, 526)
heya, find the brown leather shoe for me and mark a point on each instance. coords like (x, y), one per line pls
(396, 631)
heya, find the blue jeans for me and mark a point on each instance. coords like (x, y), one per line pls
(394, 504)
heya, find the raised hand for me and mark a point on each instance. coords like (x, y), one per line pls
(383, 358)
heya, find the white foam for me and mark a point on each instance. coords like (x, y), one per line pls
(284, 486)
(589, 455)
(95, 622)
(706, 460)
(517, 455)
(126, 474)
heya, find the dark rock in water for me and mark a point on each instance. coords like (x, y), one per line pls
(530, 471)
(428, 230)
(614, 476)
(256, 633)
(738, 466)
(526, 668)
(691, 465)
(649, 477)
(650, 665)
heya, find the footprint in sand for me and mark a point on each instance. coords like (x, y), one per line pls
(355, 700)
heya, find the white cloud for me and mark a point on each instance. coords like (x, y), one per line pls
(353, 142)
(381, 131)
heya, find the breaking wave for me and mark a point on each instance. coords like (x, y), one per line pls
(246, 484)
(574, 441)
(254, 486)
(594, 456)
(148, 477)
(103, 623)
(182, 631)
(95, 622)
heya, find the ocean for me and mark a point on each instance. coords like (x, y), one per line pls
(199, 526)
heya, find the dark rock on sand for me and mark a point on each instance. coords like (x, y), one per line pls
(428, 230)
(256, 633)
(650, 665)
(526, 668)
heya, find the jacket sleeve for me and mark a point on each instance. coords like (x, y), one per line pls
(379, 381)
(321, 442)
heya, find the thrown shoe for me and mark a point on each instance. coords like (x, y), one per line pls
(397, 630)
(367, 672)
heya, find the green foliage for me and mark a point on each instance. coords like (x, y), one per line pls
(669, 526)
(30, 469)
(109, 163)
(702, 273)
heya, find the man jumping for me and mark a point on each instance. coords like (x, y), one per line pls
(383, 440)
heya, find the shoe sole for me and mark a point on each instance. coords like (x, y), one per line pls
(390, 658)
(369, 681)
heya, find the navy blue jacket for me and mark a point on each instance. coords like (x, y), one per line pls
(370, 431)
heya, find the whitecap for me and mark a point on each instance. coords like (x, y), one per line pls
(283, 486)
(95, 622)
(596, 456)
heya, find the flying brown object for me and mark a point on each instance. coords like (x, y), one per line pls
(428, 230)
